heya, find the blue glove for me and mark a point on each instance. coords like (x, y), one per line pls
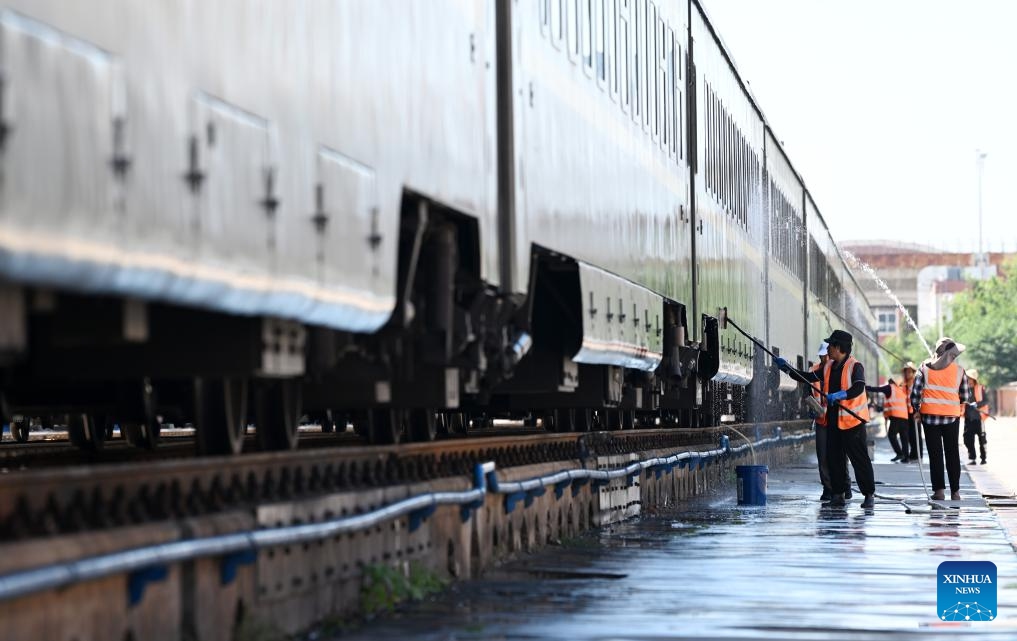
(781, 363)
(836, 396)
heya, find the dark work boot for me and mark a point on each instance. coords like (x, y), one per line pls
(847, 495)
(837, 500)
(869, 502)
(825, 496)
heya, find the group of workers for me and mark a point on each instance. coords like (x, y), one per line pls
(936, 395)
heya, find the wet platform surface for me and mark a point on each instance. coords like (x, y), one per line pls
(711, 569)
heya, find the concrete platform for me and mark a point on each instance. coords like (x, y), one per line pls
(790, 570)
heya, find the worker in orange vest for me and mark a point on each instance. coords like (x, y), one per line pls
(821, 432)
(975, 415)
(939, 394)
(895, 409)
(843, 382)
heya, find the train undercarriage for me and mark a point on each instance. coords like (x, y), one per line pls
(456, 354)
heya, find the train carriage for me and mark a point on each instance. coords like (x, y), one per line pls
(412, 216)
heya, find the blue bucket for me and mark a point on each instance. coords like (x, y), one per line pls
(751, 484)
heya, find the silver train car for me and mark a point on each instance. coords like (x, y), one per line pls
(408, 215)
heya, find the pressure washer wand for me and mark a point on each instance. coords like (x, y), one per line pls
(726, 320)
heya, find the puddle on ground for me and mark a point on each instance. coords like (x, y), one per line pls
(712, 569)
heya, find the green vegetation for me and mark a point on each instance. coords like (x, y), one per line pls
(250, 628)
(384, 587)
(985, 320)
(908, 346)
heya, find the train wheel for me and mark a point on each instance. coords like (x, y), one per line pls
(361, 420)
(144, 435)
(423, 427)
(583, 420)
(20, 428)
(220, 415)
(87, 432)
(457, 423)
(563, 420)
(385, 426)
(277, 414)
(441, 424)
(328, 423)
(548, 422)
(628, 419)
(613, 418)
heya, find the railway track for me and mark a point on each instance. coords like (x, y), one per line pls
(56, 449)
(74, 499)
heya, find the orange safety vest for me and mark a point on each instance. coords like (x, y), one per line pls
(979, 395)
(821, 419)
(907, 397)
(896, 405)
(941, 394)
(859, 404)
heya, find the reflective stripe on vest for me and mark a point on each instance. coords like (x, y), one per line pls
(896, 404)
(979, 395)
(941, 394)
(821, 419)
(859, 404)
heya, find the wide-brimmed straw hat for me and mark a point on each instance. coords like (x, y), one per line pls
(947, 344)
(972, 374)
(909, 365)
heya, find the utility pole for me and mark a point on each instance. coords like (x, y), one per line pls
(981, 260)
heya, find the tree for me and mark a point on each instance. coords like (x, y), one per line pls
(984, 319)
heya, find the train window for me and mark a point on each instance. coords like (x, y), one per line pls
(587, 34)
(728, 164)
(682, 118)
(722, 152)
(747, 194)
(712, 144)
(739, 175)
(573, 20)
(718, 154)
(673, 93)
(637, 63)
(658, 94)
(558, 22)
(744, 157)
(662, 93)
(601, 24)
(649, 22)
(624, 57)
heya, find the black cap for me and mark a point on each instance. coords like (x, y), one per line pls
(840, 337)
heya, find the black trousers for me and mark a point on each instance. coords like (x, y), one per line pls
(973, 430)
(914, 452)
(897, 432)
(822, 438)
(942, 443)
(842, 445)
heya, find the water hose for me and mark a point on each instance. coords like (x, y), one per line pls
(793, 373)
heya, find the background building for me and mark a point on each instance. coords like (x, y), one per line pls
(924, 278)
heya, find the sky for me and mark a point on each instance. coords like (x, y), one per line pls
(881, 106)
